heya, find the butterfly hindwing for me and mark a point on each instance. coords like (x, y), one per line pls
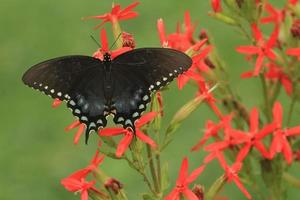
(140, 72)
(76, 80)
(130, 98)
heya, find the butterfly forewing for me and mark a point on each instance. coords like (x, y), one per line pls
(139, 72)
(76, 80)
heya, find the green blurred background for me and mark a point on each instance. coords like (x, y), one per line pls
(35, 151)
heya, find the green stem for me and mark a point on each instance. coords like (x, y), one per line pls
(158, 165)
(266, 98)
(141, 172)
(117, 31)
(152, 169)
(291, 109)
(275, 92)
(244, 32)
(96, 196)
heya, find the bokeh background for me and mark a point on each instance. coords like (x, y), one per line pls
(35, 152)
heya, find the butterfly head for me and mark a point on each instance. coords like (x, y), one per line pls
(106, 57)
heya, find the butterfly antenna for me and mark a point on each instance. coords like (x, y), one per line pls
(115, 41)
(95, 41)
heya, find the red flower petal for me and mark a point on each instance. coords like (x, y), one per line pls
(130, 7)
(261, 148)
(195, 174)
(243, 153)
(276, 145)
(56, 103)
(250, 50)
(241, 187)
(247, 74)
(265, 131)
(258, 64)
(183, 173)
(256, 33)
(293, 131)
(216, 5)
(189, 195)
(79, 133)
(182, 80)
(293, 52)
(174, 195)
(273, 38)
(287, 151)
(287, 84)
(104, 41)
(73, 125)
(277, 114)
(254, 120)
(112, 131)
(145, 138)
(161, 32)
(120, 51)
(124, 143)
(145, 119)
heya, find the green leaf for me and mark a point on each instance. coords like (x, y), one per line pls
(272, 174)
(148, 197)
(215, 188)
(165, 179)
(224, 18)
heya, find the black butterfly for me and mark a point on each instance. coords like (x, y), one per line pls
(93, 89)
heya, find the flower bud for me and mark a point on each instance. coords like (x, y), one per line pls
(295, 30)
(128, 40)
(239, 3)
(209, 63)
(203, 35)
(113, 185)
(198, 190)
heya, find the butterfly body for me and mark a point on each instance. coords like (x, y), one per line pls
(94, 89)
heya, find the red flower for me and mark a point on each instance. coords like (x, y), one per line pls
(294, 52)
(178, 40)
(116, 14)
(183, 181)
(253, 137)
(212, 130)
(198, 62)
(199, 59)
(104, 49)
(205, 92)
(162, 33)
(229, 141)
(232, 173)
(128, 40)
(276, 73)
(280, 142)
(125, 142)
(276, 16)
(262, 49)
(95, 162)
(79, 132)
(216, 5)
(184, 78)
(75, 185)
(160, 103)
(293, 2)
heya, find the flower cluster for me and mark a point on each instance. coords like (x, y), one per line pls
(239, 137)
